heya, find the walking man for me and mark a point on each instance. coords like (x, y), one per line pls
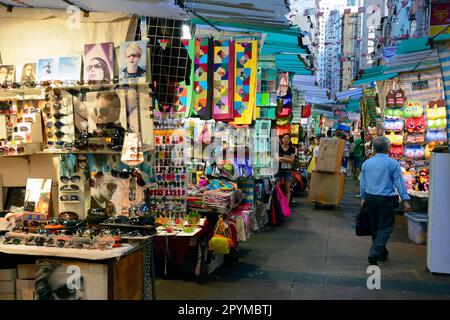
(381, 184)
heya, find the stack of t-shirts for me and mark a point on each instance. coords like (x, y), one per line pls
(218, 200)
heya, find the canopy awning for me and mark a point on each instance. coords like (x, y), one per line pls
(374, 74)
(414, 61)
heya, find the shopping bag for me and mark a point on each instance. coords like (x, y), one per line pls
(284, 204)
(363, 223)
(221, 240)
(312, 165)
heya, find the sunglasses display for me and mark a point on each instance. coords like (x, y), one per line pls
(67, 198)
(74, 179)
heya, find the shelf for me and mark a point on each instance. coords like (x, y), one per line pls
(69, 202)
(17, 155)
(41, 90)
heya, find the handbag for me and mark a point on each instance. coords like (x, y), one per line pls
(362, 227)
(284, 204)
(221, 241)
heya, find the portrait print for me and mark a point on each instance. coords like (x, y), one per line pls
(47, 69)
(6, 73)
(99, 61)
(106, 109)
(133, 61)
(69, 68)
(70, 280)
(26, 73)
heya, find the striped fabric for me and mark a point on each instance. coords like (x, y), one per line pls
(434, 92)
(444, 56)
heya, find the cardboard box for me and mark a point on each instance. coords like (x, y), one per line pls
(24, 284)
(8, 286)
(7, 296)
(25, 295)
(326, 188)
(331, 151)
(8, 274)
(26, 271)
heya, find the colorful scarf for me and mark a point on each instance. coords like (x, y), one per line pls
(184, 97)
(246, 62)
(223, 95)
(202, 78)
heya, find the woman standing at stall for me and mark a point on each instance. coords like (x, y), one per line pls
(286, 160)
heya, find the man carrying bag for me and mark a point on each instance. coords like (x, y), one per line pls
(380, 185)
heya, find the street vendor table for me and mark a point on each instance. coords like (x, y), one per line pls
(122, 273)
(177, 244)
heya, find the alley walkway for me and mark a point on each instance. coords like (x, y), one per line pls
(316, 255)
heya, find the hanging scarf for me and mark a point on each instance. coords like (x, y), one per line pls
(203, 78)
(246, 62)
(223, 95)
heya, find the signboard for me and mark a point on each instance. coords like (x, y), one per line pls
(439, 18)
(420, 85)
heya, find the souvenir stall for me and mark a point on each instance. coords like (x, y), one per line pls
(410, 111)
(76, 161)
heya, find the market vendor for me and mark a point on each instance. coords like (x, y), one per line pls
(286, 159)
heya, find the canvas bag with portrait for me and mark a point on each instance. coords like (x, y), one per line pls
(132, 154)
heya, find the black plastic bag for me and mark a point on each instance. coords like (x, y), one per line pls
(363, 223)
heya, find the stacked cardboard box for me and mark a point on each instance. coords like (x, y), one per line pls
(25, 284)
(327, 181)
(8, 284)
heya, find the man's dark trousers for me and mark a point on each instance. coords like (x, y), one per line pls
(382, 218)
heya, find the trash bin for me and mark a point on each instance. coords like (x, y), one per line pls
(417, 227)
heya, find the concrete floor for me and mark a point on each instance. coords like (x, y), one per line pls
(315, 254)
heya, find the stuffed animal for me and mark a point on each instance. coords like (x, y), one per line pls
(413, 108)
(416, 124)
(389, 114)
(398, 125)
(438, 124)
(436, 113)
(389, 125)
(399, 98)
(397, 152)
(396, 139)
(415, 138)
(436, 137)
(390, 98)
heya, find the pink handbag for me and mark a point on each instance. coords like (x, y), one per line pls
(284, 204)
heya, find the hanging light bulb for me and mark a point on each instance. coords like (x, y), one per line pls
(186, 32)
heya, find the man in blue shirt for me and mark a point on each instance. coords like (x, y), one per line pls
(381, 184)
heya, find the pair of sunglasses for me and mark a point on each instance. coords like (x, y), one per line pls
(57, 115)
(69, 198)
(74, 179)
(70, 187)
(58, 134)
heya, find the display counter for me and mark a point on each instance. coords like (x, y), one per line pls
(123, 273)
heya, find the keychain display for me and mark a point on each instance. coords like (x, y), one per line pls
(168, 198)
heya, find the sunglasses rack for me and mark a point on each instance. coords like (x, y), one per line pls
(168, 198)
(57, 110)
(71, 193)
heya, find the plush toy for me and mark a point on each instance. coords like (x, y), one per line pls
(389, 125)
(396, 139)
(413, 108)
(409, 152)
(414, 152)
(428, 150)
(416, 124)
(399, 98)
(390, 98)
(397, 152)
(415, 138)
(436, 113)
(419, 153)
(389, 114)
(438, 124)
(437, 137)
(398, 125)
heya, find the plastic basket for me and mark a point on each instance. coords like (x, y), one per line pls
(417, 227)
